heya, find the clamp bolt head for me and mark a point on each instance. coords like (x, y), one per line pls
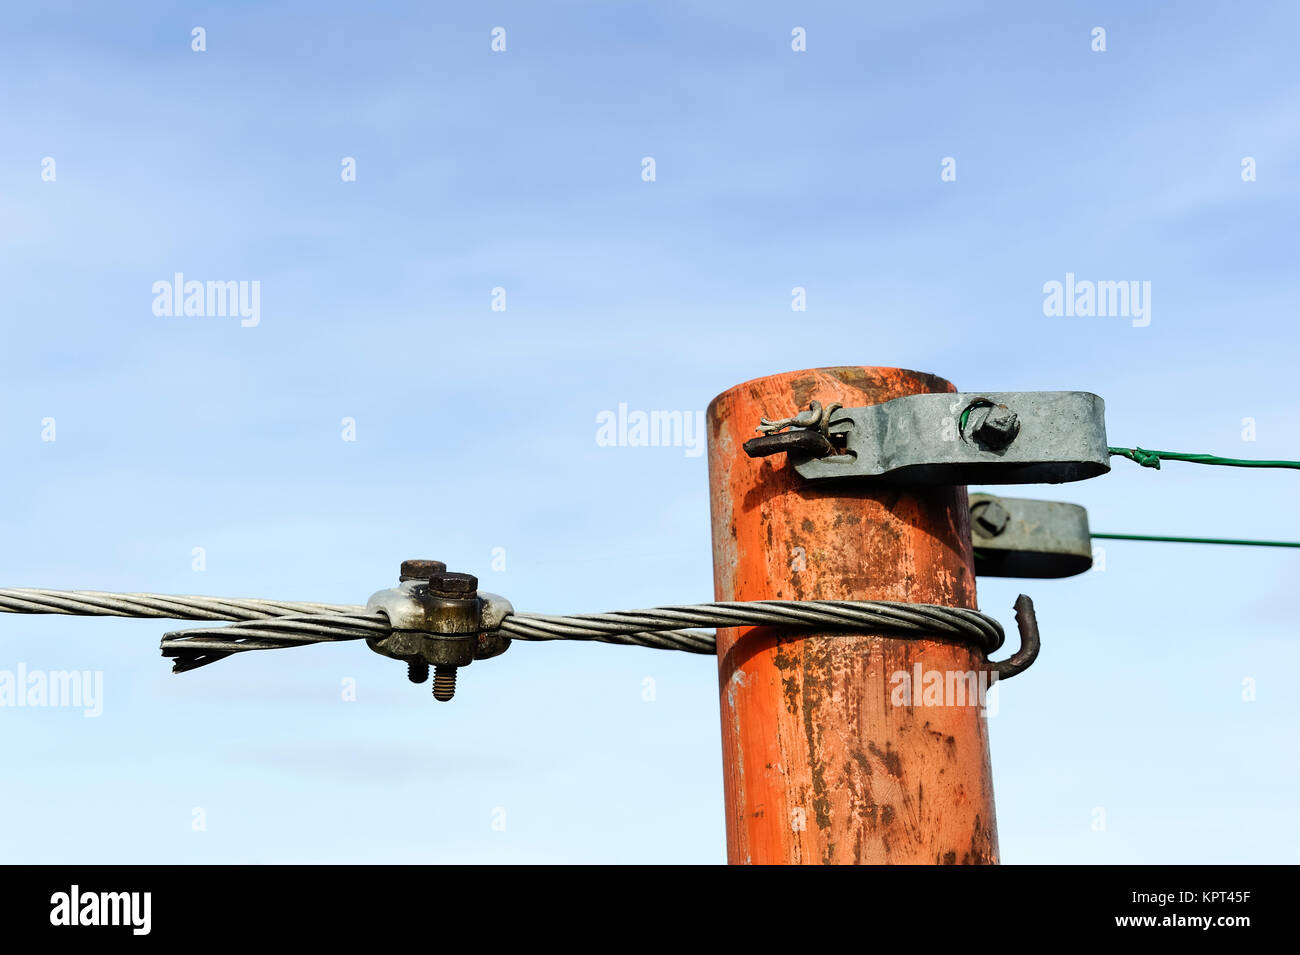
(444, 584)
(421, 569)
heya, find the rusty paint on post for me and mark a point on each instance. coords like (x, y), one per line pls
(821, 764)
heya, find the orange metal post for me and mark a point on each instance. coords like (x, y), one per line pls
(821, 765)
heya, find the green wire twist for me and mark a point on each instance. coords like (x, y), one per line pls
(1152, 459)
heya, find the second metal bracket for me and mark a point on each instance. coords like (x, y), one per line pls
(1016, 537)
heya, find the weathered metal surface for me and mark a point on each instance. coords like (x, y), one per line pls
(822, 764)
(1035, 437)
(1018, 537)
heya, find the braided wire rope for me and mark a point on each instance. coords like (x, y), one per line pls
(275, 624)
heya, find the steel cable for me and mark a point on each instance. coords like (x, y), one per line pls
(96, 603)
(271, 625)
(660, 627)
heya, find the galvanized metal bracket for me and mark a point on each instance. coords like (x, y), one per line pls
(1036, 437)
(1016, 537)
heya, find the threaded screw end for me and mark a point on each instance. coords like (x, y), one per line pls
(444, 683)
(417, 671)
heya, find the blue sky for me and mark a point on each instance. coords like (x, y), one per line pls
(475, 428)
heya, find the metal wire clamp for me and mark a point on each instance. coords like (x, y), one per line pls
(439, 619)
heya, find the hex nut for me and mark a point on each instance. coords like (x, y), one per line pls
(452, 584)
(421, 569)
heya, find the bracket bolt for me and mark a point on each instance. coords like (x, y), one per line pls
(995, 427)
(989, 518)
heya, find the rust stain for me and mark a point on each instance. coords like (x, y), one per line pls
(891, 759)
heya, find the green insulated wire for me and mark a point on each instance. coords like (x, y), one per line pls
(1196, 540)
(1152, 459)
